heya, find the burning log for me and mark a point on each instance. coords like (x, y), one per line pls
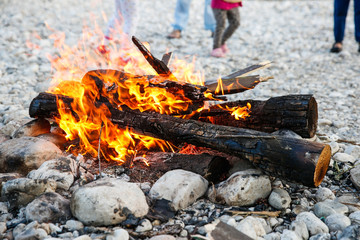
(293, 159)
(294, 112)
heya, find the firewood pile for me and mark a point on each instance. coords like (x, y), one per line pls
(250, 137)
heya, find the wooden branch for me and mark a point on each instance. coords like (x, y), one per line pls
(297, 113)
(293, 159)
(159, 66)
(166, 58)
(234, 85)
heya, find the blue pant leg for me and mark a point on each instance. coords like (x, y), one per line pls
(181, 14)
(340, 12)
(209, 20)
(357, 19)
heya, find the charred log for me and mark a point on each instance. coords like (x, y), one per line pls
(293, 159)
(294, 112)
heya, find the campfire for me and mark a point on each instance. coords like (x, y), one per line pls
(118, 115)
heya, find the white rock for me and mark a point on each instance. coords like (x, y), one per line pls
(73, 225)
(144, 226)
(180, 187)
(321, 236)
(273, 236)
(83, 237)
(337, 222)
(118, 234)
(324, 193)
(3, 227)
(355, 176)
(279, 199)
(355, 217)
(112, 200)
(163, 237)
(252, 227)
(313, 224)
(60, 170)
(334, 147)
(299, 227)
(241, 189)
(343, 157)
(289, 235)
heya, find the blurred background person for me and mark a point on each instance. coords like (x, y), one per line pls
(181, 18)
(224, 9)
(340, 13)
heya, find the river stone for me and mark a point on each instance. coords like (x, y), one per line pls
(279, 199)
(118, 234)
(337, 222)
(60, 170)
(343, 157)
(324, 193)
(355, 217)
(4, 177)
(299, 227)
(252, 227)
(355, 176)
(350, 233)
(328, 207)
(289, 235)
(180, 187)
(321, 236)
(25, 154)
(108, 201)
(57, 139)
(49, 207)
(21, 191)
(242, 188)
(73, 225)
(273, 236)
(33, 128)
(313, 224)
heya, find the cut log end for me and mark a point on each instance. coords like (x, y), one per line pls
(322, 165)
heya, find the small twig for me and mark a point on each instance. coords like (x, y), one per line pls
(351, 204)
(102, 124)
(245, 136)
(262, 213)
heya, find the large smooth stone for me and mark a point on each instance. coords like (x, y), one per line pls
(60, 170)
(25, 154)
(108, 201)
(241, 189)
(180, 187)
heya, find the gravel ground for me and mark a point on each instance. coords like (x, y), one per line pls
(295, 35)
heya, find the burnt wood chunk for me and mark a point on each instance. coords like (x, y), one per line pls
(293, 159)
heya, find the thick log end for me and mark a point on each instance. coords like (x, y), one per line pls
(322, 165)
(312, 117)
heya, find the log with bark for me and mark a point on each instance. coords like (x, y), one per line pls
(294, 112)
(297, 113)
(293, 159)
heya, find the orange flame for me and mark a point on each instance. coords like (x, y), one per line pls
(240, 112)
(129, 85)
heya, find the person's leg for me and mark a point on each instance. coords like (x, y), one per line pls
(181, 14)
(357, 20)
(209, 20)
(115, 20)
(220, 17)
(233, 16)
(340, 12)
(129, 12)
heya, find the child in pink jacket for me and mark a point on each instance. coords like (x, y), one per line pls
(224, 9)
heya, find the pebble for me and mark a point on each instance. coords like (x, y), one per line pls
(289, 235)
(299, 227)
(328, 207)
(344, 157)
(324, 193)
(313, 224)
(144, 226)
(279, 199)
(73, 225)
(337, 222)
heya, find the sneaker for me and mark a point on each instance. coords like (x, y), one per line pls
(217, 52)
(336, 48)
(174, 34)
(224, 48)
